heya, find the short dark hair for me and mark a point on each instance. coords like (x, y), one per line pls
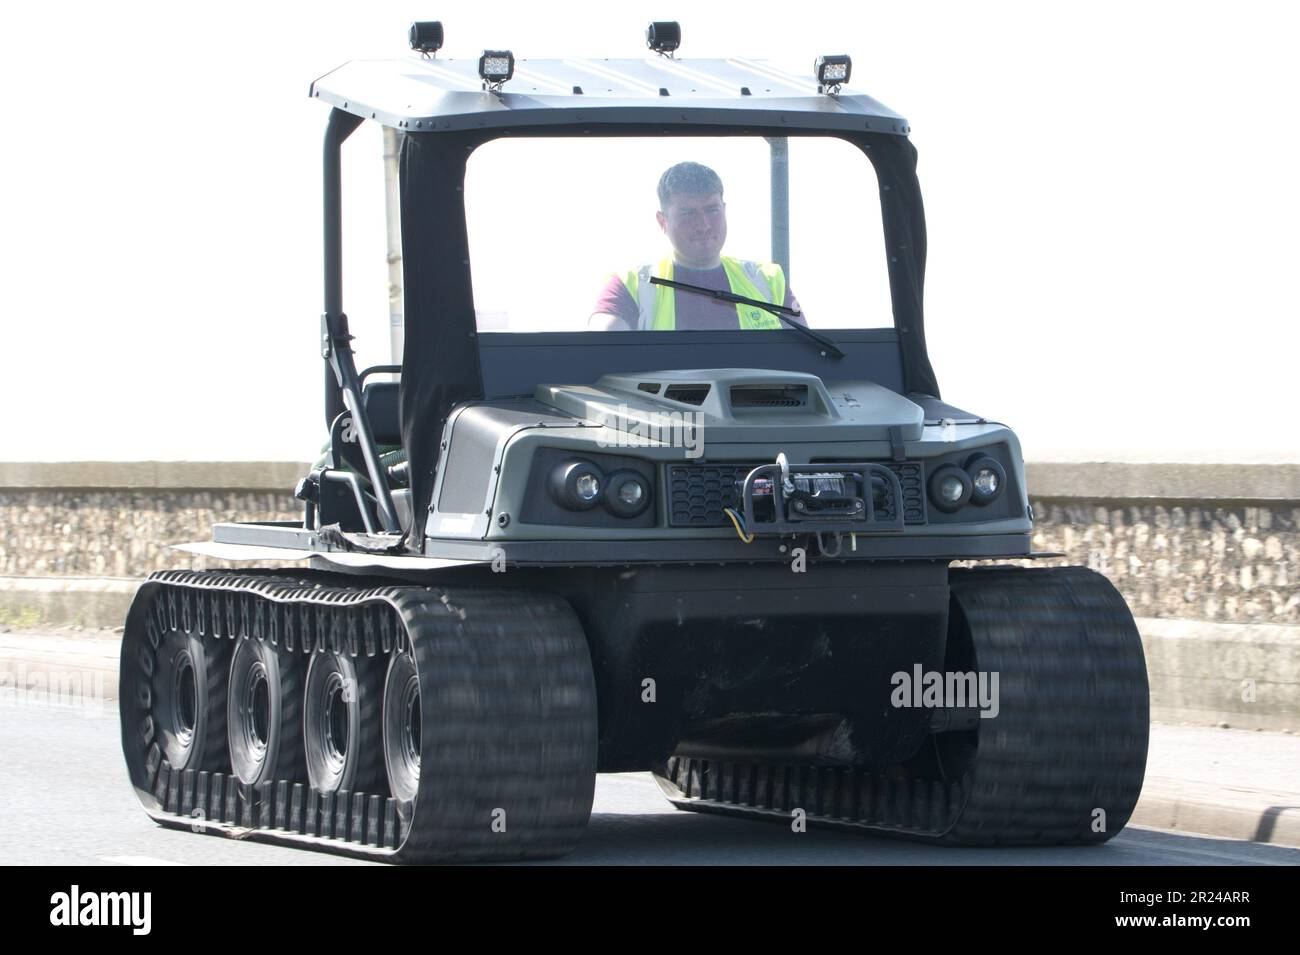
(691, 178)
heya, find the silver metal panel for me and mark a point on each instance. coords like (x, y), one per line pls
(268, 534)
(850, 411)
(426, 94)
(492, 428)
(343, 559)
(237, 552)
(241, 551)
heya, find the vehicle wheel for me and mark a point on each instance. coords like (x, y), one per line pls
(264, 714)
(342, 732)
(189, 701)
(401, 731)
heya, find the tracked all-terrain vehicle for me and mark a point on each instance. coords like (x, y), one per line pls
(714, 545)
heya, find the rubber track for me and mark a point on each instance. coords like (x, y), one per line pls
(508, 709)
(1070, 737)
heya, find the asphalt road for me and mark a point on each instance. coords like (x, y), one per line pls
(65, 800)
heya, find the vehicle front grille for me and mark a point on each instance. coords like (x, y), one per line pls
(697, 493)
(911, 476)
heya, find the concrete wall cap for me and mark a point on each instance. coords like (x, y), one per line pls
(1098, 480)
(279, 476)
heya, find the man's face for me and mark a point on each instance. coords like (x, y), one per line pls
(696, 225)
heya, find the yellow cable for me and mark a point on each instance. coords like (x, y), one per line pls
(739, 533)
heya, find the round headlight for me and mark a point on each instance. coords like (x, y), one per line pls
(577, 485)
(987, 476)
(627, 493)
(587, 487)
(950, 488)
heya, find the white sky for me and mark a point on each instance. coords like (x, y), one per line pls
(1111, 190)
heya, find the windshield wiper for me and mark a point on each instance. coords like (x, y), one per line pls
(780, 311)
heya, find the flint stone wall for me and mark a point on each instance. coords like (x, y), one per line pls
(116, 519)
(1216, 542)
(1234, 564)
(122, 533)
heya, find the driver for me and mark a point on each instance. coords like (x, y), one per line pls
(694, 217)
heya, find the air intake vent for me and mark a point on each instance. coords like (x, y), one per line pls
(769, 396)
(687, 394)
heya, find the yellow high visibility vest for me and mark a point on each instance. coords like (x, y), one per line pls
(763, 281)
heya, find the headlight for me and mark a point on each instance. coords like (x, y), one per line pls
(950, 488)
(577, 485)
(627, 493)
(987, 477)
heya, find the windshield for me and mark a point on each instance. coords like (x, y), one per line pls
(569, 235)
